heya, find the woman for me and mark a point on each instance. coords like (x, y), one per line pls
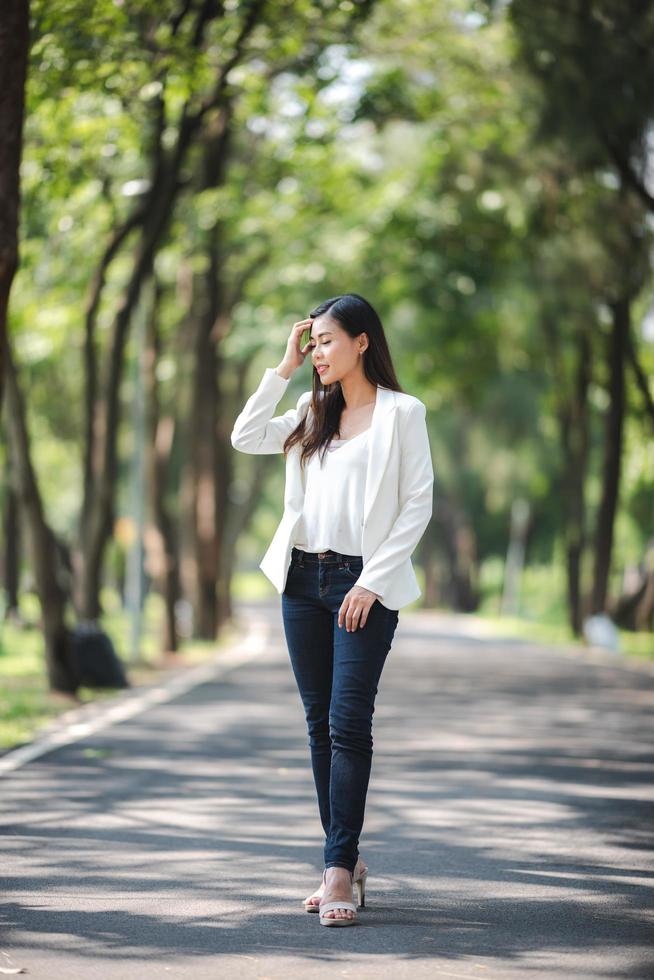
(357, 499)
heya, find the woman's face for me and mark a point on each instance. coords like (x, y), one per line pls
(333, 352)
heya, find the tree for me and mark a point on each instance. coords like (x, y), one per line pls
(14, 47)
(592, 61)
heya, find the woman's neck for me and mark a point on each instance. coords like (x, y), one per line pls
(358, 392)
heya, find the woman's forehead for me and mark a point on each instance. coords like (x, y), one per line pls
(321, 327)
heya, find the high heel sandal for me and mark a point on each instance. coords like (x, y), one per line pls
(359, 879)
(356, 878)
(310, 906)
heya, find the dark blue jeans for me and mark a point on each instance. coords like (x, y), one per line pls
(337, 674)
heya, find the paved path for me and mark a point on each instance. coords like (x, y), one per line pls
(509, 826)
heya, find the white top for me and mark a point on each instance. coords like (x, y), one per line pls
(332, 515)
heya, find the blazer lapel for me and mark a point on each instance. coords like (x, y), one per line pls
(379, 443)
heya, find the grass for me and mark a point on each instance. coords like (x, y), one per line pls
(26, 704)
(542, 614)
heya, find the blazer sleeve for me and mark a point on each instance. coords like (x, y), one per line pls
(415, 504)
(255, 430)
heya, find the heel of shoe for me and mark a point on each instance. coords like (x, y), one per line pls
(361, 890)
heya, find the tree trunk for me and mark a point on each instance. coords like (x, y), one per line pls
(461, 591)
(645, 610)
(241, 511)
(242, 498)
(571, 410)
(98, 509)
(573, 419)
(427, 554)
(204, 461)
(210, 459)
(616, 356)
(161, 544)
(14, 47)
(11, 551)
(43, 547)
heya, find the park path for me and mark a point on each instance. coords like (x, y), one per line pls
(509, 825)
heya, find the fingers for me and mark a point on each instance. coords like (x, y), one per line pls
(354, 615)
(354, 620)
(298, 330)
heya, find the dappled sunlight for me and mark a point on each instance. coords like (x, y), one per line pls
(495, 807)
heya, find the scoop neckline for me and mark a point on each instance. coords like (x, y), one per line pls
(352, 438)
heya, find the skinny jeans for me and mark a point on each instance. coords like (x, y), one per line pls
(337, 674)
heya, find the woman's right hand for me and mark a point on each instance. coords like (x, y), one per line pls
(295, 354)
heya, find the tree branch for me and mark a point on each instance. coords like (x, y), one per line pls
(110, 252)
(626, 171)
(641, 378)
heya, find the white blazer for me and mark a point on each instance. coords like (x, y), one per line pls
(398, 490)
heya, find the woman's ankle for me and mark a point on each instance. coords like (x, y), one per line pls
(336, 871)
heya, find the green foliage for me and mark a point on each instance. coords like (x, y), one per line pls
(593, 62)
(446, 163)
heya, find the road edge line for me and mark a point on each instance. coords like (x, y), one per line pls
(96, 716)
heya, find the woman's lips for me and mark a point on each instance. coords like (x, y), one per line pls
(321, 368)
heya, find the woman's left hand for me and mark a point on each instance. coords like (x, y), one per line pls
(355, 606)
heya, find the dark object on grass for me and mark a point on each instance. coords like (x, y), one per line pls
(93, 660)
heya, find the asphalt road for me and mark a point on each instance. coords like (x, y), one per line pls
(509, 825)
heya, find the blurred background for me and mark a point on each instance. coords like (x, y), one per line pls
(194, 176)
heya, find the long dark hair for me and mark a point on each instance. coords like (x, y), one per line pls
(355, 315)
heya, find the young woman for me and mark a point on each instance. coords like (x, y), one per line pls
(357, 499)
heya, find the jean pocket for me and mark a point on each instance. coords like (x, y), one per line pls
(353, 569)
(291, 568)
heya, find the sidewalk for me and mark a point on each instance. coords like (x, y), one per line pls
(508, 829)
